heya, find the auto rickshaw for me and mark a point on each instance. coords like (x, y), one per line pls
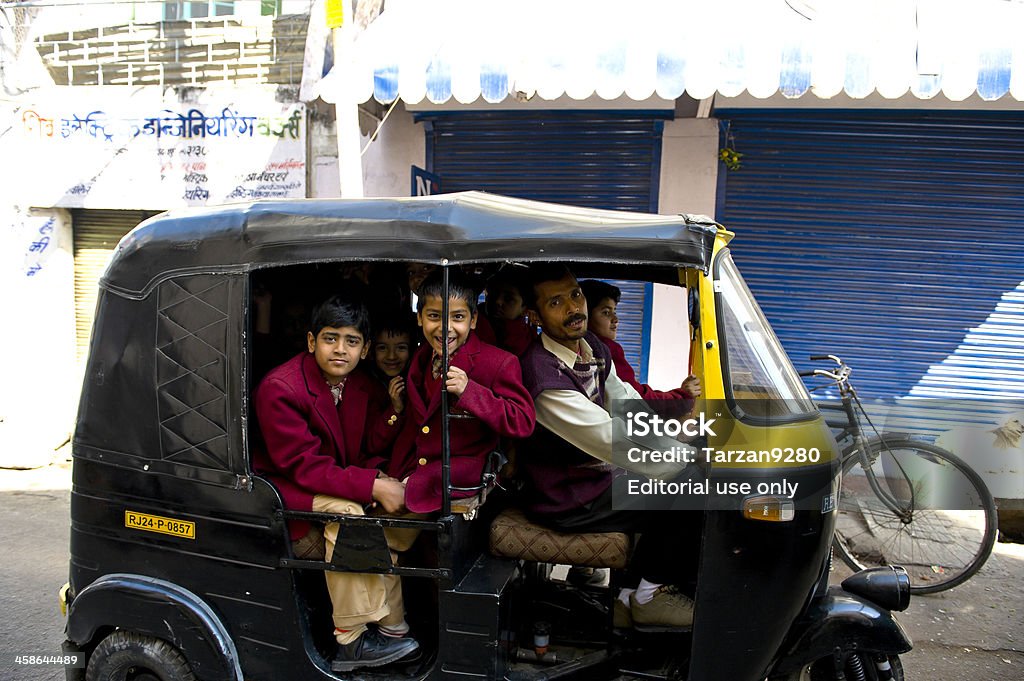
(181, 565)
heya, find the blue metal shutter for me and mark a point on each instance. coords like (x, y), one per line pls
(592, 159)
(892, 239)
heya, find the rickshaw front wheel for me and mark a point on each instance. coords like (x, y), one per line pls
(857, 666)
(128, 656)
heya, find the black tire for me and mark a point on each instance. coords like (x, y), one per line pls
(127, 656)
(824, 669)
(940, 545)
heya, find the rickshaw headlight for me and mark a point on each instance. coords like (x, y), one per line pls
(887, 586)
(769, 507)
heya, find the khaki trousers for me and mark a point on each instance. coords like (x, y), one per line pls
(360, 598)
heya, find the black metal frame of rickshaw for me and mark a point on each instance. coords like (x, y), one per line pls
(230, 598)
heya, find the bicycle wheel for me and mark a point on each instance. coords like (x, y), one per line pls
(948, 523)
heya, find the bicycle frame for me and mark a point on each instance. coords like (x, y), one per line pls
(851, 428)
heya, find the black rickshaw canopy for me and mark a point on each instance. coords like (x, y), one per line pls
(457, 228)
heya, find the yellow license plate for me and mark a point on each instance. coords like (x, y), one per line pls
(156, 523)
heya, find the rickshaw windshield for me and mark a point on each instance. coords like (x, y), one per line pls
(758, 375)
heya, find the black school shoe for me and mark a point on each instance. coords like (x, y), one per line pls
(372, 649)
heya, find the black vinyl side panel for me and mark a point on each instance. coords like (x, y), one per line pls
(163, 386)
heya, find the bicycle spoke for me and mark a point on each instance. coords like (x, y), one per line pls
(907, 526)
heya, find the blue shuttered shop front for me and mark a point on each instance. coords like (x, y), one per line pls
(892, 239)
(592, 159)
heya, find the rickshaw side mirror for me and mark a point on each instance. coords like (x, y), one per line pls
(693, 307)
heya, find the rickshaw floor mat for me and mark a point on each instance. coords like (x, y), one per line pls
(654, 629)
(634, 673)
(665, 662)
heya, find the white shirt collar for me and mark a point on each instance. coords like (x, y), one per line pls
(563, 353)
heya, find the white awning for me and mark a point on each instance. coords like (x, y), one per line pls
(437, 50)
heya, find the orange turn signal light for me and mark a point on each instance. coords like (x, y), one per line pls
(769, 507)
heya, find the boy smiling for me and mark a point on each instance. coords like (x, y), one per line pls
(392, 349)
(320, 429)
(487, 391)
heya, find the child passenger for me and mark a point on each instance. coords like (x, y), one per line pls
(484, 384)
(507, 313)
(319, 430)
(393, 343)
(602, 301)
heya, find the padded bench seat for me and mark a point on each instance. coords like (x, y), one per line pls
(514, 536)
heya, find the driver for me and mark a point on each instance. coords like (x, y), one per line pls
(568, 461)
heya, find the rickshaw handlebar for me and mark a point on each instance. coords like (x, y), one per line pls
(820, 358)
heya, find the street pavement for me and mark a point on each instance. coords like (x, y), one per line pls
(34, 518)
(974, 632)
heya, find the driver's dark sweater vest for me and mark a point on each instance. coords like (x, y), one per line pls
(560, 477)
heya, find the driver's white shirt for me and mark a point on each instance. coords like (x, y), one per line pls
(588, 426)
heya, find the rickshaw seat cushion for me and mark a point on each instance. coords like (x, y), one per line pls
(513, 535)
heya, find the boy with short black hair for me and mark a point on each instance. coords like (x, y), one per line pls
(392, 348)
(603, 320)
(319, 430)
(484, 383)
(506, 311)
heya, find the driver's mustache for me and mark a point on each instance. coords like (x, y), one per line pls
(576, 318)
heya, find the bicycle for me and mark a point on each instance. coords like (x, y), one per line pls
(905, 502)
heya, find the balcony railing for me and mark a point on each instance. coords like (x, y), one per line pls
(190, 52)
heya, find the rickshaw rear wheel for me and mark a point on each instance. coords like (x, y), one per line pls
(824, 669)
(128, 656)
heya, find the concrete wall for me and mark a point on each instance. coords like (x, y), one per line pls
(324, 181)
(689, 166)
(37, 350)
(387, 160)
(689, 175)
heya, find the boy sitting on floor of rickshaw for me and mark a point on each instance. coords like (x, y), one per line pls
(320, 430)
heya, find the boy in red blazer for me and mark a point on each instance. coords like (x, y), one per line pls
(506, 311)
(602, 302)
(485, 387)
(320, 433)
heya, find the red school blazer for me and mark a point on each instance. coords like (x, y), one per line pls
(495, 405)
(625, 372)
(310, 446)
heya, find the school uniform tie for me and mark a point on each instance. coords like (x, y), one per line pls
(337, 390)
